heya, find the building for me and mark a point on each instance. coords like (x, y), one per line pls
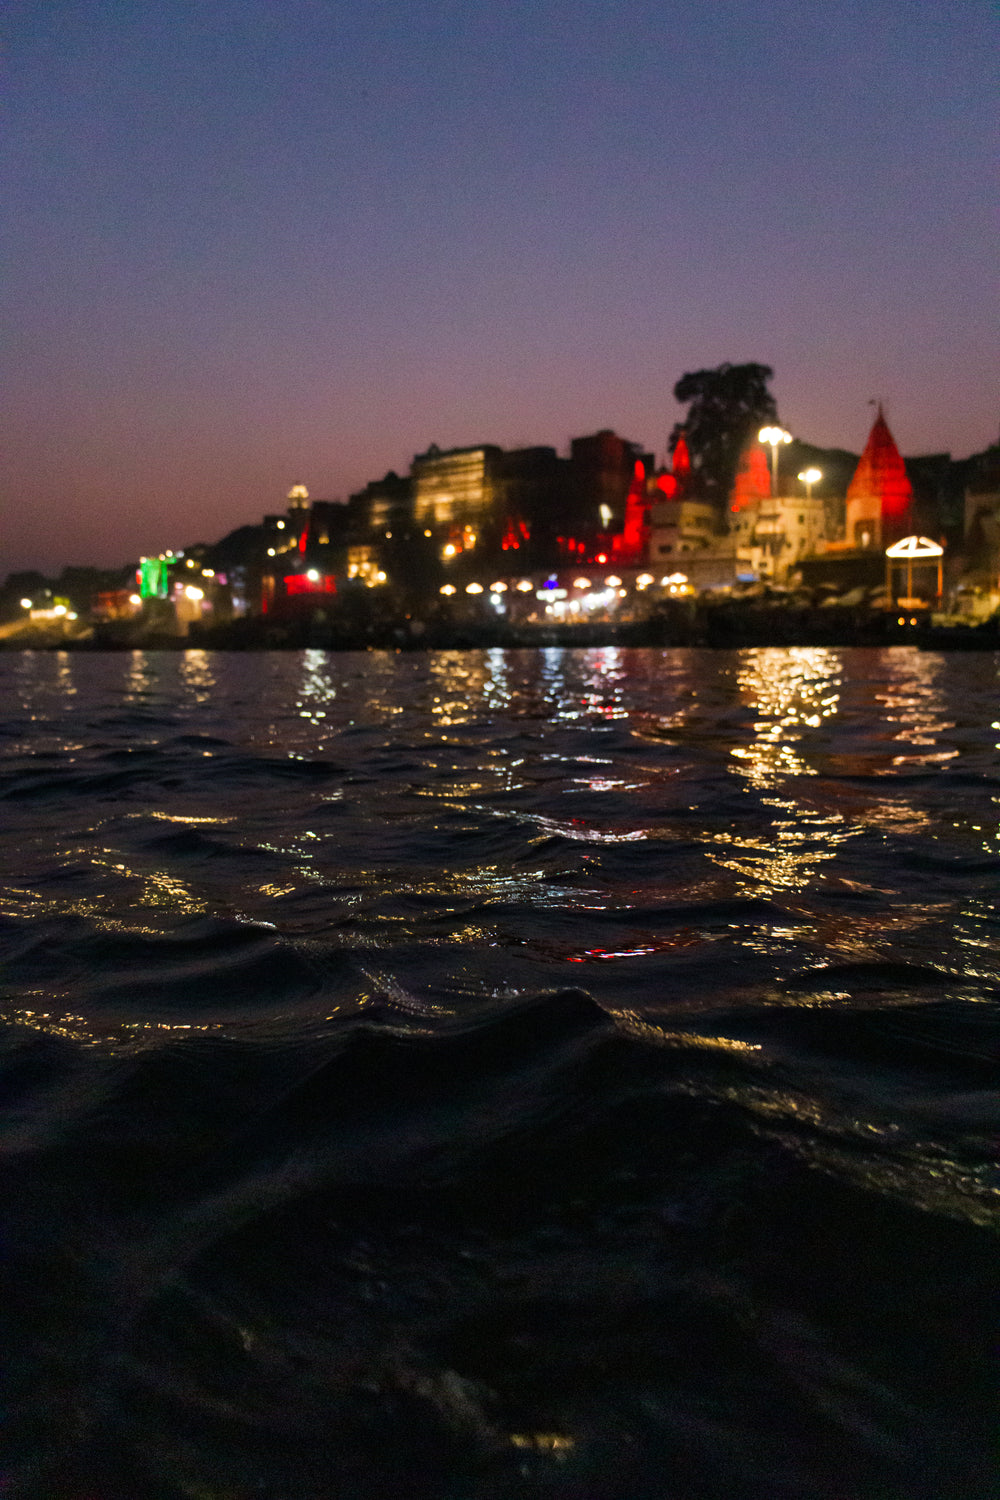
(880, 495)
(681, 526)
(453, 489)
(771, 534)
(980, 548)
(293, 579)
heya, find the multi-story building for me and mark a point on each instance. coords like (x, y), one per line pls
(453, 489)
(602, 475)
(679, 528)
(462, 519)
(681, 525)
(773, 535)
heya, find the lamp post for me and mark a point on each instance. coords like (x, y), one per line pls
(775, 436)
(809, 477)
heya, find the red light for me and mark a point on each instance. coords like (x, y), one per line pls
(301, 583)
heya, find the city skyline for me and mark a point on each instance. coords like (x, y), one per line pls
(268, 245)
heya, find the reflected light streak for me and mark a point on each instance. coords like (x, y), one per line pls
(165, 817)
(196, 675)
(316, 690)
(117, 1034)
(791, 690)
(139, 678)
(913, 703)
(461, 679)
(582, 833)
(649, 1031)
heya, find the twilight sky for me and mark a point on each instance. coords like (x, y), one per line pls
(254, 243)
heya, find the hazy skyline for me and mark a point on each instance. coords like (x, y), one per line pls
(255, 244)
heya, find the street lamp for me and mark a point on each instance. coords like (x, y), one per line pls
(775, 436)
(809, 477)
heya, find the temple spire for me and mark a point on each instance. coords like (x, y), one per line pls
(880, 494)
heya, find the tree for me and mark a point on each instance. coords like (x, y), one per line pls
(727, 406)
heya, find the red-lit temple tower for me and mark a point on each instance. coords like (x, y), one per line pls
(631, 545)
(675, 482)
(880, 494)
(753, 478)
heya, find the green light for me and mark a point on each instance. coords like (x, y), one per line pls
(153, 578)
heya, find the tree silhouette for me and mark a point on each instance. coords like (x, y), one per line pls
(726, 408)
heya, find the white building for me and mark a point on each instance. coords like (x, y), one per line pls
(679, 528)
(773, 535)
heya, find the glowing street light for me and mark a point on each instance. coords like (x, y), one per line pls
(809, 477)
(774, 436)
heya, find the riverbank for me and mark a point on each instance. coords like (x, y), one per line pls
(725, 626)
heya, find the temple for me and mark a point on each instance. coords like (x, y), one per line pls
(880, 494)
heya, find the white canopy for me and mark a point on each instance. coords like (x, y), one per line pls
(914, 546)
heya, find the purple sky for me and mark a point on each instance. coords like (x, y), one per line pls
(259, 242)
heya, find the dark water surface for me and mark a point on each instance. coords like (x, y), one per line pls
(503, 1074)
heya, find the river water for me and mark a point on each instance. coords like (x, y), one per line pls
(499, 1074)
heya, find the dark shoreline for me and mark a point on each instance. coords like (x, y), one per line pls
(719, 627)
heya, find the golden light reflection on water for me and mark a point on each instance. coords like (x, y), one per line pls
(91, 1032)
(788, 858)
(161, 889)
(139, 677)
(316, 690)
(792, 690)
(184, 818)
(158, 887)
(34, 680)
(197, 676)
(920, 1175)
(459, 681)
(912, 709)
(650, 1031)
(977, 927)
(64, 674)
